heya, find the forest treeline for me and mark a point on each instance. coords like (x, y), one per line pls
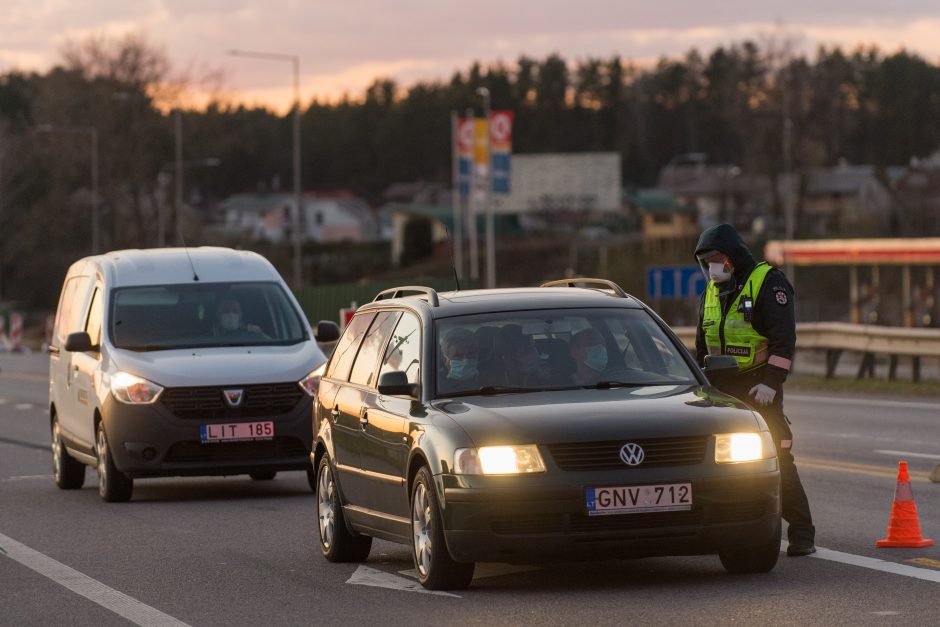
(863, 106)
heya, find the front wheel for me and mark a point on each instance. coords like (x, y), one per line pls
(435, 568)
(757, 559)
(113, 485)
(337, 543)
(69, 473)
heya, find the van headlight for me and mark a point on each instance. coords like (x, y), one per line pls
(133, 390)
(311, 383)
(733, 448)
(498, 460)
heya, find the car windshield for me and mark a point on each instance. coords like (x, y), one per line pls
(198, 315)
(515, 352)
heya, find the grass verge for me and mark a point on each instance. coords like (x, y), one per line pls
(880, 387)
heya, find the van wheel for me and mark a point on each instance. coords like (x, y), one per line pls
(337, 543)
(435, 568)
(113, 485)
(757, 559)
(69, 473)
(263, 475)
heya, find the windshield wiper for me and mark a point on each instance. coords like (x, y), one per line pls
(146, 348)
(490, 390)
(607, 385)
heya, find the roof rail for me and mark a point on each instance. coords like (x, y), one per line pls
(396, 292)
(594, 283)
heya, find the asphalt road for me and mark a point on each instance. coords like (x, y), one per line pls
(229, 551)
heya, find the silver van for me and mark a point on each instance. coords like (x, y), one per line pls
(176, 362)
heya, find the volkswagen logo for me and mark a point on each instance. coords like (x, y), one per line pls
(632, 454)
(233, 398)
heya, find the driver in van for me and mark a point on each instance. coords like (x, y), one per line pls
(229, 319)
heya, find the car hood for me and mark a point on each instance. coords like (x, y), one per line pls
(221, 366)
(595, 415)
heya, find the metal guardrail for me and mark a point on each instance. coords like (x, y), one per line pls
(836, 337)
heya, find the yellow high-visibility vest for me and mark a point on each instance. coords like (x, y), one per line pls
(732, 333)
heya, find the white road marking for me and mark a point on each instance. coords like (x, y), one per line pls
(25, 477)
(872, 563)
(870, 402)
(909, 454)
(83, 585)
(365, 576)
(22, 406)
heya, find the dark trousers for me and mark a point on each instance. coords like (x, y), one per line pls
(794, 503)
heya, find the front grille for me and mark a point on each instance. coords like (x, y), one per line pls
(208, 403)
(606, 455)
(260, 451)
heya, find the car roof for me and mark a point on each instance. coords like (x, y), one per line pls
(510, 299)
(162, 266)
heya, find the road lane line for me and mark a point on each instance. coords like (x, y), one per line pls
(872, 563)
(26, 376)
(32, 445)
(869, 402)
(365, 576)
(25, 477)
(909, 454)
(886, 472)
(22, 406)
(83, 585)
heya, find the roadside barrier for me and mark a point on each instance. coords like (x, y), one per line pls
(904, 525)
(837, 337)
(50, 323)
(4, 342)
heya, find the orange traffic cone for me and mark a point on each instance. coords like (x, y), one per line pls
(903, 526)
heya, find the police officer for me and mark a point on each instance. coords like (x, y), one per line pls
(747, 312)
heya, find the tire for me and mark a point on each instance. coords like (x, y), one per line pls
(337, 542)
(263, 475)
(312, 478)
(758, 559)
(68, 472)
(435, 568)
(113, 485)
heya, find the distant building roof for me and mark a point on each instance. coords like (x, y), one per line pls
(655, 200)
(841, 179)
(256, 202)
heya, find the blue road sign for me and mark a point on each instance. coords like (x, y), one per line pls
(674, 281)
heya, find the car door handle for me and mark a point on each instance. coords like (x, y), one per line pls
(334, 413)
(364, 419)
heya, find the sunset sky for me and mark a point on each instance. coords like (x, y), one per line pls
(345, 44)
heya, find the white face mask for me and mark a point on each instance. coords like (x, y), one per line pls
(718, 273)
(230, 321)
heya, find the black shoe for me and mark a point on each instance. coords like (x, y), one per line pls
(799, 549)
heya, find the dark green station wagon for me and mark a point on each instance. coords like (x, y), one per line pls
(534, 424)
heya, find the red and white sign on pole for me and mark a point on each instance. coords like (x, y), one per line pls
(16, 332)
(346, 314)
(501, 131)
(4, 342)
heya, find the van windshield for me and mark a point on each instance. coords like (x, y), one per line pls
(198, 315)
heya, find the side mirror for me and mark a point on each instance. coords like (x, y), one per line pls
(79, 342)
(327, 331)
(395, 383)
(720, 365)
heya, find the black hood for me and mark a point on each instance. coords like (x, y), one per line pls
(724, 238)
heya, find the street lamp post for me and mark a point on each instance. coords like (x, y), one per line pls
(92, 132)
(488, 204)
(295, 61)
(177, 166)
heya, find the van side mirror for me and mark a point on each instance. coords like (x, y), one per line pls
(720, 365)
(327, 331)
(79, 342)
(395, 383)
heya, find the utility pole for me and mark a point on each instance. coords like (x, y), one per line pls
(487, 196)
(472, 206)
(457, 198)
(178, 179)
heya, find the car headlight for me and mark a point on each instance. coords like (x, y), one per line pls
(498, 460)
(133, 390)
(311, 383)
(732, 448)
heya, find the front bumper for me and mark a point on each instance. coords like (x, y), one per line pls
(151, 441)
(544, 522)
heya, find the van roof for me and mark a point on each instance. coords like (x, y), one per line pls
(161, 266)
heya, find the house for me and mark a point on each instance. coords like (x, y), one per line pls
(325, 217)
(668, 225)
(917, 194)
(845, 200)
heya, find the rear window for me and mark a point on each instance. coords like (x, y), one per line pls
(195, 315)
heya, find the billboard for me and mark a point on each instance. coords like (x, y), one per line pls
(562, 182)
